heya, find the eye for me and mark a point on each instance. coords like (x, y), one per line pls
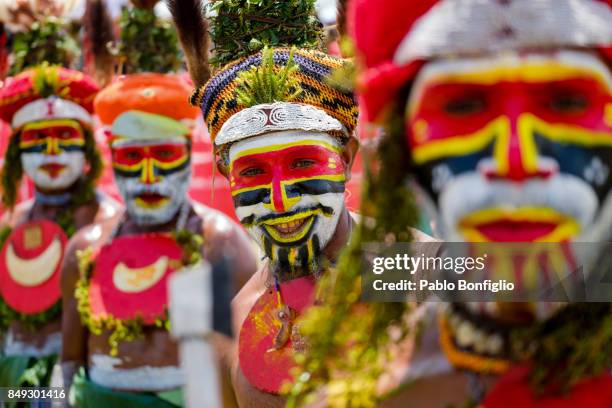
(41, 135)
(164, 154)
(132, 155)
(66, 134)
(569, 103)
(465, 106)
(251, 172)
(302, 164)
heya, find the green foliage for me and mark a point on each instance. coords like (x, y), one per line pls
(49, 40)
(243, 27)
(46, 80)
(349, 341)
(4, 234)
(147, 44)
(191, 243)
(30, 321)
(12, 172)
(572, 345)
(39, 373)
(263, 84)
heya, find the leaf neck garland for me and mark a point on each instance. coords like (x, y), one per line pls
(126, 330)
(350, 343)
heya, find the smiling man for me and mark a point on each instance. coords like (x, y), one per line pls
(284, 138)
(52, 144)
(287, 178)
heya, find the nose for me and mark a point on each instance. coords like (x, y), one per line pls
(52, 146)
(280, 201)
(516, 155)
(278, 195)
(147, 174)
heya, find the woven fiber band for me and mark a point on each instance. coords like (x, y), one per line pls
(275, 117)
(219, 103)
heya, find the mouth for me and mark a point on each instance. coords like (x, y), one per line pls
(53, 169)
(526, 224)
(290, 229)
(151, 200)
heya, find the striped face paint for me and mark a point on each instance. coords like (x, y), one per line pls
(152, 177)
(52, 152)
(529, 136)
(288, 190)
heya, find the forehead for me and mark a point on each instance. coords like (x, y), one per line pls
(51, 123)
(514, 67)
(282, 140)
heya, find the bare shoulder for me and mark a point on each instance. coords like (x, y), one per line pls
(17, 215)
(214, 221)
(108, 208)
(92, 235)
(223, 236)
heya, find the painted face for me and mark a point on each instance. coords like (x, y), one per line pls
(53, 153)
(288, 190)
(152, 177)
(515, 148)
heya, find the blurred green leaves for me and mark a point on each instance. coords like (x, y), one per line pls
(242, 27)
(49, 40)
(148, 44)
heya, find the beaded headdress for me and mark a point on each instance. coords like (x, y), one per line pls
(309, 103)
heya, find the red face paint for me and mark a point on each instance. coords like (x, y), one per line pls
(278, 168)
(450, 110)
(52, 137)
(458, 118)
(141, 161)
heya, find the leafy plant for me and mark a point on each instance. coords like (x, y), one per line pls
(242, 27)
(263, 84)
(148, 44)
(49, 40)
(349, 342)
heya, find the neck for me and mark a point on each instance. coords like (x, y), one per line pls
(131, 226)
(53, 198)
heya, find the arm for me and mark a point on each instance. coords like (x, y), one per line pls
(224, 240)
(74, 334)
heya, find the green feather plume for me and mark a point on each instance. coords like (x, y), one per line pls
(267, 84)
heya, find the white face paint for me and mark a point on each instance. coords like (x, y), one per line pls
(288, 190)
(153, 179)
(53, 172)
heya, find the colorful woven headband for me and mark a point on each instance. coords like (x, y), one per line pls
(219, 101)
(47, 92)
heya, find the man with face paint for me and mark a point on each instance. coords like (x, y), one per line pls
(287, 157)
(50, 112)
(135, 363)
(506, 123)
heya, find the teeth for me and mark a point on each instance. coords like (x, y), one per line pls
(290, 226)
